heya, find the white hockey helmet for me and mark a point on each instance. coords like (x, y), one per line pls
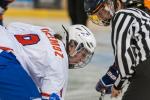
(84, 38)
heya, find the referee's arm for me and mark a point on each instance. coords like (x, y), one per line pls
(121, 42)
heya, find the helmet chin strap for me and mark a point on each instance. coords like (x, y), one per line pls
(71, 66)
(67, 39)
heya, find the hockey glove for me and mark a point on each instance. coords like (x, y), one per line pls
(54, 96)
(107, 81)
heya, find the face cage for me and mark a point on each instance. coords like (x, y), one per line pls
(79, 46)
(81, 64)
(87, 59)
(96, 19)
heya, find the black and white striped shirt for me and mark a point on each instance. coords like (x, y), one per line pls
(130, 41)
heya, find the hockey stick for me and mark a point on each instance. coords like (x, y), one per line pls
(102, 95)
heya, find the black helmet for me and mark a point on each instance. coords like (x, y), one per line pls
(91, 5)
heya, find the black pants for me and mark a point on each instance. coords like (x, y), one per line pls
(139, 88)
(76, 12)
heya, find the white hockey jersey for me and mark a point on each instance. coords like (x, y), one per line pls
(42, 56)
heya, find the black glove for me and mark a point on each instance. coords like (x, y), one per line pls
(107, 81)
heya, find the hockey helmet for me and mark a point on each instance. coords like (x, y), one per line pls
(84, 40)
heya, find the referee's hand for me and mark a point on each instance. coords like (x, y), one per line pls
(115, 93)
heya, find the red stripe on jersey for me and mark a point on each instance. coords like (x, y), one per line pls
(6, 48)
(45, 94)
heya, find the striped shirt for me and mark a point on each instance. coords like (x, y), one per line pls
(130, 41)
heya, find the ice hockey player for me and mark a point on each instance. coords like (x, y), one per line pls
(34, 63)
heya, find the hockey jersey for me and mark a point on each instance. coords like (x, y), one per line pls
(42, 55)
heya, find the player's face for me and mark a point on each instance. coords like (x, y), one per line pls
(80, 56)
(77, 54)
(104, 12)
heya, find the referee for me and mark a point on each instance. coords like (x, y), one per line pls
(130, 37)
